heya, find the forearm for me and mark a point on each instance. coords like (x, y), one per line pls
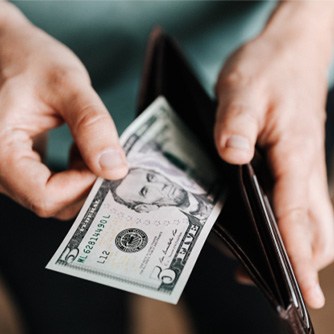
(272, 92)
(16, 33)
(309, 24)
(10, 16)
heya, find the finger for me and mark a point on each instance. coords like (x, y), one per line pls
(242, 277)
(239, 120)
(28, 181)
(70, 211)
(321, 213)
(291, 206)
(298, 244)
(94, 131)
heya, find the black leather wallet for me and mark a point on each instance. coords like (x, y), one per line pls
(246, 224)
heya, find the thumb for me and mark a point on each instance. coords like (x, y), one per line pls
(94, 132)
(238, 121)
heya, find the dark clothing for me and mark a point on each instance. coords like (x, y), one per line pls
(55, 303)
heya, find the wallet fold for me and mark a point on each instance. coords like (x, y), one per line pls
(246, 224)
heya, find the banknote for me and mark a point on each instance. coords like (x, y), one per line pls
(143, 233)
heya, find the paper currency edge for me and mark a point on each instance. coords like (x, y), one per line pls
(134, 287)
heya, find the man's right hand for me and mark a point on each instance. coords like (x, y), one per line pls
(42, 85)
(272, 92)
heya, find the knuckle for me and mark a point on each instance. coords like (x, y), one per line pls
(243, 112)
(58, 76)
(89, 116)
(237, 112)
(4, 189)
(297, 150)
(231, 78)
(238, 71)
(235, 78)
(325, 255)
(329, 256)
(296, 215)
(11, 84)
(42, 206)
(66, 77)
(67, 214)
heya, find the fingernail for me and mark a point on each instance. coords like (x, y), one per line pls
(238, 142)
(318, 296)
(112, 159)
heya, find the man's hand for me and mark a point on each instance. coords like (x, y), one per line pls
(272, 92)
(42, 85)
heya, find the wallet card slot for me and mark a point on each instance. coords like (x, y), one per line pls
(247, 263)
(256, 217)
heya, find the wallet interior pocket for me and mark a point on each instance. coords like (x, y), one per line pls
(237, 227)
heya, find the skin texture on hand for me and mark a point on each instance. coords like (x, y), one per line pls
(272, 92)
(42, 85)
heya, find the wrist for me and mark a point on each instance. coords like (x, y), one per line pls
(306, 27)
(10, 15)
(15, 30)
